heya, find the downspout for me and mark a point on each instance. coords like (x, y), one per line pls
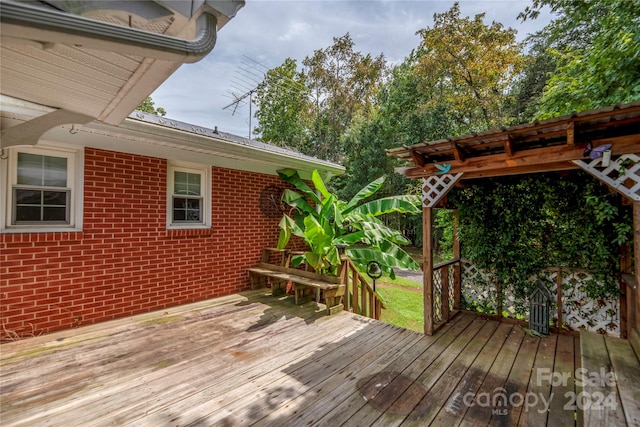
(48, 27)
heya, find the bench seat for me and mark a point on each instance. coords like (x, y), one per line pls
(306, 284)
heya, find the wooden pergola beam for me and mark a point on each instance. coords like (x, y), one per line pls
(418, 158)
(508, 146)
(570, 133)
(530, 161)
(458, 153)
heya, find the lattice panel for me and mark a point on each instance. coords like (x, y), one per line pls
(583, 313)
(435, 187)
(452, 284)
(622, 174)
(579, 312)
(477, 290)
(437, 299)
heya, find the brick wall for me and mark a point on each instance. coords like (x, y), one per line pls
(125, 261)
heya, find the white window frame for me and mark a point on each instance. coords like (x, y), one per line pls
(205, 188)
(9, 178)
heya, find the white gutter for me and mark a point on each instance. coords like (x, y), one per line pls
(48, 27)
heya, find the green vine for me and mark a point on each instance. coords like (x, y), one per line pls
(515, 227)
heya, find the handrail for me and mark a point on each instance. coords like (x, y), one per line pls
(446, 263)
(360, 297)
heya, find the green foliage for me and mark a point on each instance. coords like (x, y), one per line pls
(515, 227)
(311, 109)
(443, 233)
(469, 66)
(326, 222)
(284, 113)
(148, 106)
(595, 45)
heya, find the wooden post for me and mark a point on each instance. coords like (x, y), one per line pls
(636, 254)
(444, 293)
(457, 267)
(559, 298)
(427, 269)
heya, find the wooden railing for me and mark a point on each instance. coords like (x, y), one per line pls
(446, 292)
(359, 297)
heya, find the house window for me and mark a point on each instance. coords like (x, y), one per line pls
(41, 194)
(41, 190)
(188, 197)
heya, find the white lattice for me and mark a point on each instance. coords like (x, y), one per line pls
(477, 290)
(622, 174)
(579, 312)
(583, 313)
(435, 187)
(437, 298)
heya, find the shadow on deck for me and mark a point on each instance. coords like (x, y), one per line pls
(253, 359)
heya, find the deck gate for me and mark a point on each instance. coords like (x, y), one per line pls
(540, 306)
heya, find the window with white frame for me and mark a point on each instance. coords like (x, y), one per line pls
(189, 196)
(42, 189)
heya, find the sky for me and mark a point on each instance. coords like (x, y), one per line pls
(266, 32)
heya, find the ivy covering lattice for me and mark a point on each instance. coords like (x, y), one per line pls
(579, 312)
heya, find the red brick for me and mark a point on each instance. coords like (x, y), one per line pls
(125, 261)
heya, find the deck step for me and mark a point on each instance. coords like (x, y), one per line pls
(610, 380)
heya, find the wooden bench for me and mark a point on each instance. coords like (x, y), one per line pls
(306, 284)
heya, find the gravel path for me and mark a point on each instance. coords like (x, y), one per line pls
(416, 276)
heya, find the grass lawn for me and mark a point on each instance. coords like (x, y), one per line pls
(403, 299)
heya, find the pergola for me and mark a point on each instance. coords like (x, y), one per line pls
(543, 146)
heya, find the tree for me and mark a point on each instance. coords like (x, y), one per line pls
(325, 222)
(339, 84)
(528, 86)
(596, 48)
(472, 66)
(148, 106)
(283, 107)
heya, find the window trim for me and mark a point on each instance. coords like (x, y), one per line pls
(75, 176)
(205, 189)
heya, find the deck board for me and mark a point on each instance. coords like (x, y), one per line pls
(255, 359)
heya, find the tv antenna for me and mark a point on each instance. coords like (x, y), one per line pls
(247, 80)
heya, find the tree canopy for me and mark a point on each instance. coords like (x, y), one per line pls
(148, 106)
(464, 76)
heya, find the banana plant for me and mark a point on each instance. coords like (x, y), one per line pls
(326, 223)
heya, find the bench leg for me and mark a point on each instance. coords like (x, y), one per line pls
(257, 281)
(278, 287)
(303, 294)
(333, 300)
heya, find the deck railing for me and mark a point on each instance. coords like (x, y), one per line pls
(446, 291)
(458, 285)
(359, 297)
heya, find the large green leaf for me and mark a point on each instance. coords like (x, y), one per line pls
(319, 184)
(402, 204)
(285, 233)
(362, 256)
(292, 177)
(378, 232)
(365, 192)
(297, 200)
(398, 257)
(319, 236)
(349, 239)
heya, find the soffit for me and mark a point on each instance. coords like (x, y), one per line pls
(99, 81)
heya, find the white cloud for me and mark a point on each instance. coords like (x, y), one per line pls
(271, 31)
(295, 30)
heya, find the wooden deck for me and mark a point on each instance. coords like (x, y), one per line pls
(254, 359)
